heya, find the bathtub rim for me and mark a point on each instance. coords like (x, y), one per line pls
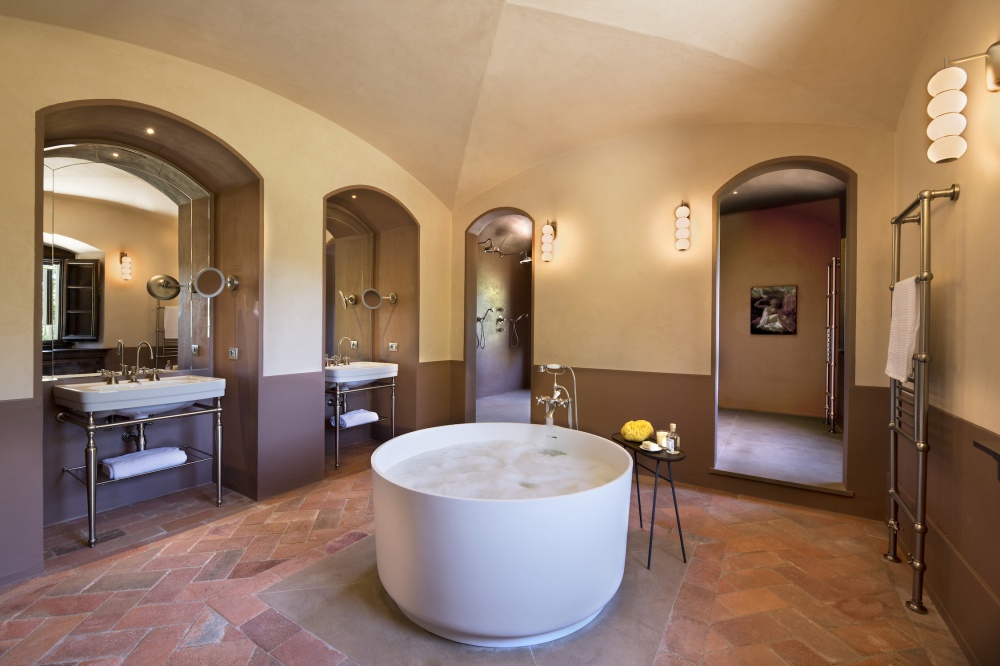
(381, 470)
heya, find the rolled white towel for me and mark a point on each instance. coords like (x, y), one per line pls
(357, 417)
(140, 462)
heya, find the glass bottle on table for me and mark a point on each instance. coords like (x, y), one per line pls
(673, 439)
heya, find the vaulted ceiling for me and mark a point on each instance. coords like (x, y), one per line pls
(467, 93)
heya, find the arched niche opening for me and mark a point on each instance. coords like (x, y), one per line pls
(219, 220)
(498, 310)
(783, 304)
(372, 244)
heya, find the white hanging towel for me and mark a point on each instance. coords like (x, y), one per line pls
(170, 323)
(903, 329)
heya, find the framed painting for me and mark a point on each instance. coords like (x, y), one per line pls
(773, 310)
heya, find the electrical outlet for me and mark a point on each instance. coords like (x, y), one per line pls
(393, 346)
(194, 350)
(354, 344)
(234, 353)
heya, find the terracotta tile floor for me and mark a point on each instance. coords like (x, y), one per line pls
(766, 584)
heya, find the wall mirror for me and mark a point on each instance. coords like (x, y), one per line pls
(350, 261)
(209, 282)
(122, 229)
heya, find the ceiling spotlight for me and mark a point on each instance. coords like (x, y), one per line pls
(354, 196)
(114, 154)
(150, 130)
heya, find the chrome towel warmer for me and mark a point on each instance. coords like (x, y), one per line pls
(908, 404)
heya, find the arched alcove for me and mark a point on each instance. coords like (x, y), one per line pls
(372, 241)
(223, 213)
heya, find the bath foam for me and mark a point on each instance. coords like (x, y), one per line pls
(501, 469)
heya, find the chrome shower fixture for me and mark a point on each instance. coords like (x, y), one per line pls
(490, 248)
(481, 331)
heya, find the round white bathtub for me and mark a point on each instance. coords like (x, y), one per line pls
(501, 572)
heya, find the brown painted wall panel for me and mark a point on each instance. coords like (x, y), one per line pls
(609, 398)
(291, 436)
(20, 489)
(438, 401)
(237, 324)
(397, 271)
(963, 535)
(781, 246)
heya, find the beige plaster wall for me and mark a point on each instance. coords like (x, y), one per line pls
(965, 370)
(300, 156)
(782, 374)
(128, 311)
(618, 295)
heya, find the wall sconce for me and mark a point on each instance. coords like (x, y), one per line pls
(125, 262)
(548, 240)
(948, 101)
(683, 226)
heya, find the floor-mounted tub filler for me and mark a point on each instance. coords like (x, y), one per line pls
(501, 569)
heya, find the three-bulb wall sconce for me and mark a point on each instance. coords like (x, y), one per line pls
(682, 226)
(125, 262)
(548, 240)
(948, 101)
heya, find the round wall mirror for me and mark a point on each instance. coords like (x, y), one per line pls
(209, 282)
(163, 287)
(371, 299)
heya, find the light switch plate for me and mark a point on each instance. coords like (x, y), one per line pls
(354, 344)
(194, 350)
(393, 346)
(234, 353)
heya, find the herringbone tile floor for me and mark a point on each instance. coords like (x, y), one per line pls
(766, 583)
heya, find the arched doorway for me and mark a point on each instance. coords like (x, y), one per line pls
(498, 299)
(781, 346)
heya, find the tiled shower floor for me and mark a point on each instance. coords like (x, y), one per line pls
(766, 583)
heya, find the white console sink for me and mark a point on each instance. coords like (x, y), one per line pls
(143, 398)
(359, 373)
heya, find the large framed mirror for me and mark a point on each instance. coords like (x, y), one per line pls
(350, 245)
(115, 218)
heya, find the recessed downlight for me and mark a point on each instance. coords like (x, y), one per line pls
(150, 130)
(354, 196)
(114, 154)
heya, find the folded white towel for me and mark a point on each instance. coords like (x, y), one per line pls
(355, 418)
(141, 462)
(903, 329)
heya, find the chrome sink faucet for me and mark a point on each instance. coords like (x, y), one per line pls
(340, 358)
(136, 370)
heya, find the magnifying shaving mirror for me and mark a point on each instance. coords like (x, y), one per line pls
(209, 282)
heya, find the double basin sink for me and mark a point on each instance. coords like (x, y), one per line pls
(359, 373)
(139, 399)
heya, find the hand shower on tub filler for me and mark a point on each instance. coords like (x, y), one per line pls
(560, 397)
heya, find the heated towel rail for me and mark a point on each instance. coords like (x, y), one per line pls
(832, 341)
(909, 400)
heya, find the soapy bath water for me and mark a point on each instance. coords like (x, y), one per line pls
(501, 469)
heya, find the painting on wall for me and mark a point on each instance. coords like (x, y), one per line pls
(773, 310)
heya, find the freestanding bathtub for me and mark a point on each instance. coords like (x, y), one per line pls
(506, 572)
